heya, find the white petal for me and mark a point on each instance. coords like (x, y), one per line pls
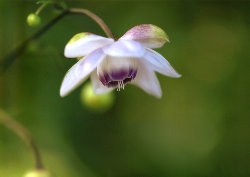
(98, 87)
(83, 44)
(79, 72)
(125, 48)
(147, 34)
(147, 80)
(160, 64)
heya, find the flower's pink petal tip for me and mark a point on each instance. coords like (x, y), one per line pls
(84, 43)
(149, 35)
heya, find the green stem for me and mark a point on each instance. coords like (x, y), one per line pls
(94, 17)
(9, 59)
(24, 134)
(40, 8)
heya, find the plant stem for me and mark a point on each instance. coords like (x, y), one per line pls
(9, 59)
(97, 19)
(40, 8)
(24, 134)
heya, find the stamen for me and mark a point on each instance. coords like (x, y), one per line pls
(122, 85)
(119, 85)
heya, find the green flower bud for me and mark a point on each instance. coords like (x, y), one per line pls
(38, 173)
(33, 20)
(96, 102)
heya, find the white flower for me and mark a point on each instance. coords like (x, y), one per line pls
(113, 64)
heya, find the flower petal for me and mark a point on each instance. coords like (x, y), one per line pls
(149, 35)
(98, 87)
(160, 64)
(125, 48)
(83, 44)
(147, 80)
(79, 72)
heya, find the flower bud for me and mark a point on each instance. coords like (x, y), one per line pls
(38, 173)
(33, 20)
(96, 102)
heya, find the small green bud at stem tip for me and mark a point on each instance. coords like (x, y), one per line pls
(33, 20)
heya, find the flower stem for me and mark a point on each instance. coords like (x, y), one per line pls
(24, 134)
(9, 59)
(40, 8)
(97, 19)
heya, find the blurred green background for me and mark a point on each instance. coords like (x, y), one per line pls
(199, 128)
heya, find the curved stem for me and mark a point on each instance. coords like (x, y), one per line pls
(40, 8)
(97, 19)
(24, 134)
(9, 59)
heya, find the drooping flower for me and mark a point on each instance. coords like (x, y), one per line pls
(113, 64)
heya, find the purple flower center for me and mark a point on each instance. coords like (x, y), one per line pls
(117, 78)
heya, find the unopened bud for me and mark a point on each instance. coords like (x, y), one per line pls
(38, 173)
(96, 102)
(33, 20)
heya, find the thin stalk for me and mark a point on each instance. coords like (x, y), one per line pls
(94, 17)
(40, 8)
(24, 134)
(9, 59)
